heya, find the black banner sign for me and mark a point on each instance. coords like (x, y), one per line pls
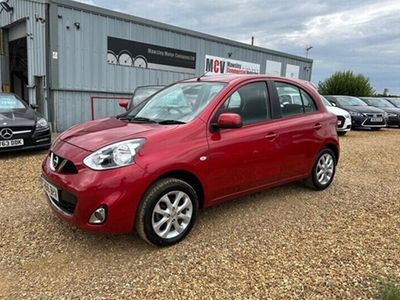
(141, 55)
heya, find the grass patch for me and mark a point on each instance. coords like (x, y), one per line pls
(391, 292)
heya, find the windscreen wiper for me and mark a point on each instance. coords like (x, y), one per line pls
(138, 119)
(172, 122)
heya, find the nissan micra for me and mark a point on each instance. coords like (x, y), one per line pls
(194, 144)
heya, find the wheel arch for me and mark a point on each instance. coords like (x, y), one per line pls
(335, 150)
(188, 177)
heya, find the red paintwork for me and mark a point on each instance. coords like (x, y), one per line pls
(123, 104)
(229, 120)
(239, 160)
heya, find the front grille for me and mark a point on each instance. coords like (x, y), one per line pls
(66, 202)
(62, 165)
(377, 115)
(341, 120)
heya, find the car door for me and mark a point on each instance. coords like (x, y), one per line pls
(300, 132)
(243, 158)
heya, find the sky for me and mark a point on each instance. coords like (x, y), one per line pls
(358, 35)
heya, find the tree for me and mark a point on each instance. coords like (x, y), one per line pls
(346, 83)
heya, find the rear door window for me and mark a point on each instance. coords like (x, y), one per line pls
(293, 100)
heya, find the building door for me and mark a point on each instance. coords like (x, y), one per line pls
(18, 54)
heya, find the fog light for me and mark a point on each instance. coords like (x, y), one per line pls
(98, 216)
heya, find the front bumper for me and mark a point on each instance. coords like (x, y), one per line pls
(344, 124)
(81, 193)
(362, 121)
(38, 140)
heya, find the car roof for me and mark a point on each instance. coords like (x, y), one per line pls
(238, 77)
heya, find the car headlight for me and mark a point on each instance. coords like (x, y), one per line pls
(42, 123)
(392, 115)
(114, 156)
(347, 116)
(356, 114)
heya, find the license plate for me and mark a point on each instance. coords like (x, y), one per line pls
(376, 119)
(49, 189)
(11, 143)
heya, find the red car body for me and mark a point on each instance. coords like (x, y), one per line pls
(221, 165)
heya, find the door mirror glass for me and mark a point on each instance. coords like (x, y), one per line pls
(333, 103)
(34, 106)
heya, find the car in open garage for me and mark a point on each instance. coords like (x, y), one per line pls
(21, 126)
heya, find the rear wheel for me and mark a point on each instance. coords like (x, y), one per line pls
(323, 170)
(167, 212)
(342, 133)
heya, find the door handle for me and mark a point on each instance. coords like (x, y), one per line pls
(271, 136)
(317, 126)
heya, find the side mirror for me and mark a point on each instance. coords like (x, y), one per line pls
(333, 103)
(124, 104)
(34, 106)
(229, 120)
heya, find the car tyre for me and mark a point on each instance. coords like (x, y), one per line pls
(323, 170)
(167, 212)
(342, 133)
(376, 128)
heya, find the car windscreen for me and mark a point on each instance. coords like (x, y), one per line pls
(144, 93)
(350, 101)
(380, 103)
(10, 102)
(325, 101)
(179, 103)
(395, 101)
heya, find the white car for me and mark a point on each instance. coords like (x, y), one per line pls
(344, 118)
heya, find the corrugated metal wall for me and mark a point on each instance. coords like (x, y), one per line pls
(82, 59)
(27, 11)
(83, 63)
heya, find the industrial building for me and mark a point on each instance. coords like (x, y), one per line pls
(60, 53)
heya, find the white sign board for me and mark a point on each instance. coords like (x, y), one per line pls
(292, 71)
(273, 68)
(220, 65)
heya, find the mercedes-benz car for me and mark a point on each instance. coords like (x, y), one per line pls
(21, 126)
(362, 115)
(194, 144)
(393, 112)
(344, 118)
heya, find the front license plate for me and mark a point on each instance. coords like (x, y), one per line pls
(376, 119)
(49, 189)
(11, 143)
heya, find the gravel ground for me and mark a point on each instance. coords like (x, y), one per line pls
(288, 242)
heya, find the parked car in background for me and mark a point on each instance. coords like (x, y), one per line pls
(194, 144)
(140, 94)
(344, 118)
(21, 127)
(362, 115)
(393, 112)
(394, 101)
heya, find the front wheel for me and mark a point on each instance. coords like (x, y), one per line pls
(342, 133)
(167, 212)
(323, 170)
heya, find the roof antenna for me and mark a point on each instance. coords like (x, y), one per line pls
(205, 74)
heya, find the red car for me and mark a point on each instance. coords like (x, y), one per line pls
(194, 144)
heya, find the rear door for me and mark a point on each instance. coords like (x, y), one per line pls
(241, 159)
(301, 129)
